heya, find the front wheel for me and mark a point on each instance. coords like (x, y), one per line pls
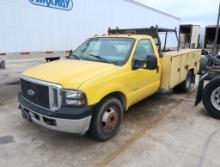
(211, 98)
(107, 119)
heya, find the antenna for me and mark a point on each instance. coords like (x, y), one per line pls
(215, 46)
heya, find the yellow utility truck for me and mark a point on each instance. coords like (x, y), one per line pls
(91, 89)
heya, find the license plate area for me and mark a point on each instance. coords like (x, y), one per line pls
(37, 118)
(26, 115)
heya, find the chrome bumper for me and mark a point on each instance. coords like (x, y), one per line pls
(76, 126)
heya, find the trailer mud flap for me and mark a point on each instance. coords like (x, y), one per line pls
(200, 89)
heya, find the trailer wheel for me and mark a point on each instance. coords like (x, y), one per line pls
(107, 119)
(211, 98)
(186, 85)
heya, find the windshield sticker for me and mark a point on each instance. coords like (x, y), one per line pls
(56, 4)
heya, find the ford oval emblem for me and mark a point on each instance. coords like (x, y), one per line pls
(56, 4)
(31, 93)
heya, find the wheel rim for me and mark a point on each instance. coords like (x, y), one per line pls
(215, 98)
(110, 119)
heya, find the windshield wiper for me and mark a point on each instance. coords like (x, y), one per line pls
(75, 56)
(101, 58)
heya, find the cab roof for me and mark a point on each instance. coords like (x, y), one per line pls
(134, 36)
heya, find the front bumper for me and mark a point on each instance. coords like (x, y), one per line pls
(70, 120)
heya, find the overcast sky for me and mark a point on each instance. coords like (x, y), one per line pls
(201, 12)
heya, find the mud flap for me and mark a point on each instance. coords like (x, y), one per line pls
(200, 89)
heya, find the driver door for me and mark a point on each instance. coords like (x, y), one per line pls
(145, 82)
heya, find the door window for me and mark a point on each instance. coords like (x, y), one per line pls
(144, 49)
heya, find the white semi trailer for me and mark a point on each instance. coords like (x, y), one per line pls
(190, 36)
(48, 26)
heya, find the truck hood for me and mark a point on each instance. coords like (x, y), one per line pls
(69, 73)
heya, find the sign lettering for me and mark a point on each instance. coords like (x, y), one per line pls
(56, 4)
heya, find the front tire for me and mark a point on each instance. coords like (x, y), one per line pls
(211, 98)
(107, 119)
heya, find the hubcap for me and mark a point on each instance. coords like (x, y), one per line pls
(215, 98)
(109, 119)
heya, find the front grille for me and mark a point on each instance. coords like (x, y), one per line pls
(43, 94)
(40, 93)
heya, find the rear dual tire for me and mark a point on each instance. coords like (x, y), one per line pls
(186, 85)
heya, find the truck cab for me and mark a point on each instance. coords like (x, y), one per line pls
(90, 89)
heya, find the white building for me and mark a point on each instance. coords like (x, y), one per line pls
(58, 25)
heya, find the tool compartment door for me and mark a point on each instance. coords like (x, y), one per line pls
(197, 61)
(184, 67)
(175, 71)
(191, 60)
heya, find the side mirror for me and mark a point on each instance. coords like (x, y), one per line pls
(151, 62)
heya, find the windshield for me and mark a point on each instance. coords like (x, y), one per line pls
(108, 50)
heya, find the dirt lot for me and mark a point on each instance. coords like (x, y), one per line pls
(163, 130)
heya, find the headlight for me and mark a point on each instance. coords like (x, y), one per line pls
(74, 98)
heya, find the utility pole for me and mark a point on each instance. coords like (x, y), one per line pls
(215, 46)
